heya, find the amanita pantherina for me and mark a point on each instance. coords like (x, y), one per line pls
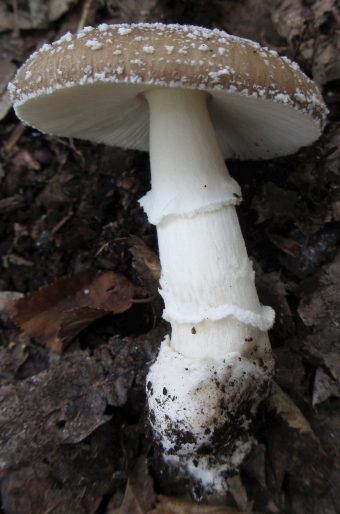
(208, 96)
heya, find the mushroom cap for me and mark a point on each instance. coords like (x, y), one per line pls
(90, 86)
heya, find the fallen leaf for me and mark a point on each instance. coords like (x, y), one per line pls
(325, 387)
(302, 25)
(56, 8)
(147, 261)
(7, 296)
(288, 246)
(134, 10)
(139, 495)
(11, 203)
(25, 159)
(238, 492)
(303, 255)
(255, 464)
(147, 264)
(10, 20)
(318, 309)
(273, 291)
(11, 358)
(275, 203)
(177, 506)
(290, 371)
(66, 403)
(289, 412)
(293, 448)
(289, 17)
(38, 12)
(5, 104)
(72, 479)
(56, 313)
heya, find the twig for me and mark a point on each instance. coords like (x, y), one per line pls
(84, 14)
(14, 137)
(61, 223)
(16, 30)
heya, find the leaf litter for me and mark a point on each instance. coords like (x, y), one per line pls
(56, 313)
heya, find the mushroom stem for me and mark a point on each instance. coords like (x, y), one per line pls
(207, 279)
(209, 378)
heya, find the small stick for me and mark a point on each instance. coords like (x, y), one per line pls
(14, 137)
(84, 14)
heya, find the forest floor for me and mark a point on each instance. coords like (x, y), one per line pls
(73, 432)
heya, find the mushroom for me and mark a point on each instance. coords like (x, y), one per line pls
(208, 96)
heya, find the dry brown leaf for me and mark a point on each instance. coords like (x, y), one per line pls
(289, 412)
(56, 313)
(325, 387)
(288, 246)
(147, 264)
(293, 448)
(177, 506)
(7, 296)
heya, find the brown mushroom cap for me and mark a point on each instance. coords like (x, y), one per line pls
(90, 86)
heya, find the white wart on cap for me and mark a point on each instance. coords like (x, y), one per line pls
(88, 86)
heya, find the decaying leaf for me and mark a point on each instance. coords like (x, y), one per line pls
(11, 203)
(73, 479)
(11, 358)
(66, 403)
(10, 20)
(38, 12)
(302, 255)
(289, 412)
(290, 370)
(146, 263)
(133, 11)
(275, 203)
(293, 448)
(56, 8)
(176, 506)
(255, 465)
(288, 246)
(272, 291)
(24, 159)
(56, 313)
(7, 296)
(325, 387)
(319, 310)
(139, 495)
(302, 25)
(7, 71)
(238, 492)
